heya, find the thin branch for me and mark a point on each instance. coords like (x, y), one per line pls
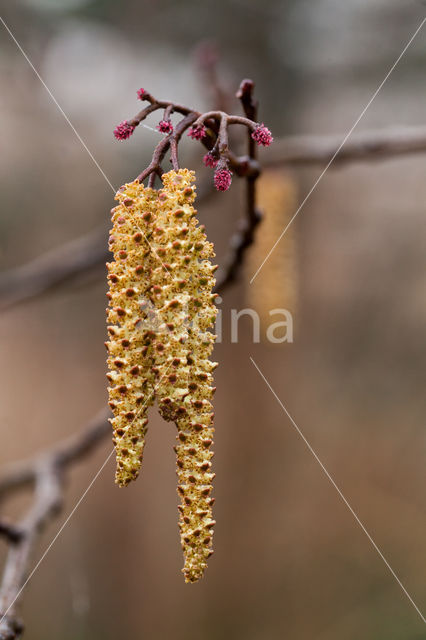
(46, 472)
(164, 145)
(366, 146)
(21, 474)
(220, 116)
(158, 104)
(244, 236)
(207, 57)
(54, 267)
(47, 501)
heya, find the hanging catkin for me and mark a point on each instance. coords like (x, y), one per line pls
(161, 312)
(276, 284)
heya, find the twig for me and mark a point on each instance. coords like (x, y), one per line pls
(207, 56)
(46, 472)
(245, 234)
(163, 146)
(21, 474)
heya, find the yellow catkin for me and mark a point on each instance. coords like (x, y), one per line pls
(276, 284)
(162, 279)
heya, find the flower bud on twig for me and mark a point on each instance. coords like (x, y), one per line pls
(123, 130)
(222, 179)
(165, 126)
(262, 135)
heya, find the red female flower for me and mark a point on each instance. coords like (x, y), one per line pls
(165, 126)
(123, 130)
(197, 133)
(210, 161)
(262, 135)
(222, 179)
(141, 93)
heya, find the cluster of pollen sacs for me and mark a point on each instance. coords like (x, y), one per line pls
(161, 310)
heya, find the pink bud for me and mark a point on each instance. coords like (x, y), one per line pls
(222, 179)
(123, 130)
(262, 135)
(197, 133)
(141, 93)
(210, 161)
(165, 126)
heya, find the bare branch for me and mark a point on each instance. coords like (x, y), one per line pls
(365, 146)
(53, 268)
(164, 145)
(23, 473)
(46, 471)
(244, 236)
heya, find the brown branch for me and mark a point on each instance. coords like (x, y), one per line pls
(159, 104)
(163, 146)
(46, 472)
(366, 146)
(207, 57)
(21, 474)
(53, 268)
(221, 116)
(244, 237)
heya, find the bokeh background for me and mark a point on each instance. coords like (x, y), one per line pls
(290, 561)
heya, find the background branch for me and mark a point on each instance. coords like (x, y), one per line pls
(365, 146)
(46, 472)
(54, 267)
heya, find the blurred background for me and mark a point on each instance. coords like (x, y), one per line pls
(290, 560)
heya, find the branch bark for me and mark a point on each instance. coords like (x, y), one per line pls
(366, 146)
(46, 472)
(54, 268)
(244, 237)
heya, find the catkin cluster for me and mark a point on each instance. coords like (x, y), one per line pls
(160, 315)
